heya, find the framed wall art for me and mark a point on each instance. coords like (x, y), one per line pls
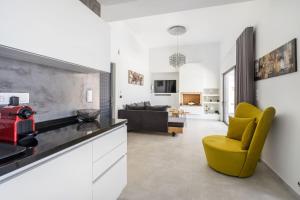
(135, 78)
(282, 60)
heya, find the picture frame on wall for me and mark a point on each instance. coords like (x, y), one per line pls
(135, 78)
(281, 61)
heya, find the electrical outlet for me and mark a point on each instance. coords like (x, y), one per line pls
(23, 98)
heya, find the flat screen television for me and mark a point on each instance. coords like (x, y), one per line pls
(165, 86)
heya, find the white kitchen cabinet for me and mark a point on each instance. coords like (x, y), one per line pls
(101, 165)
(94, 169)
(107, 143)
(64, 30)
(110, 185)
(110, 165)
(67, 176)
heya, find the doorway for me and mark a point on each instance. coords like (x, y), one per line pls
(228, 94)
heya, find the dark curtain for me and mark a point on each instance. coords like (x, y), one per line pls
(245, 61)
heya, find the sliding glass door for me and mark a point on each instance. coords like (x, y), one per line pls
(228, 94)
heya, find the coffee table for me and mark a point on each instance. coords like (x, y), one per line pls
(175, 125)
(177, 112)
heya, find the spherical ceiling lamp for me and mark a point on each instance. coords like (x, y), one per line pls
(177, 59)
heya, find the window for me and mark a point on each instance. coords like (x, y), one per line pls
(228, 94)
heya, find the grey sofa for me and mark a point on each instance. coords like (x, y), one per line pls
(142, 117)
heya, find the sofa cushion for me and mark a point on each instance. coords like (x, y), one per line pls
(140, 104)
(147, 103)
(237, 127)
(135, 107)
(224, 154)
(157, 108)
(126, 106)
(247, 135)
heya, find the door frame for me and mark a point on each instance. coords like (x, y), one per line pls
(113, 92)
(223, 90)
(105, 94)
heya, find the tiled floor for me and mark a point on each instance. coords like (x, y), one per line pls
(161, 167)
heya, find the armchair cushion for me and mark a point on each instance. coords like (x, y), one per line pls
(247, 135)
(224, 154)
(237, 127)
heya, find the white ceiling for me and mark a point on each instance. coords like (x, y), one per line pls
(203, 25)
(114, 10)
(111, 2)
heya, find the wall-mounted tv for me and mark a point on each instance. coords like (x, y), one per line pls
(165, 86)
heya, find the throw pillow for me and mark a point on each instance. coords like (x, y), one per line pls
(126, 106)
(247, 135)
(237, 127)
(147, 103)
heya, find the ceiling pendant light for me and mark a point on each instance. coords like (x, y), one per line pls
(177, 59)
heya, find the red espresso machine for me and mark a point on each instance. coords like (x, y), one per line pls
(16, 121)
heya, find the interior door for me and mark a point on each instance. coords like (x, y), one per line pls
(228, 94)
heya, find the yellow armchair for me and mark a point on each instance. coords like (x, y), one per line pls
(225, 155)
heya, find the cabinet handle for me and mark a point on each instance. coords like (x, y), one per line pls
(111, 166)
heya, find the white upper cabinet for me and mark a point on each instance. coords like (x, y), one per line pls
(65, 30)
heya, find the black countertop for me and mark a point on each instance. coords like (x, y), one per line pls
(58, 139)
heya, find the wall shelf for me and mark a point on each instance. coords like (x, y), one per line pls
(211, 102)
(211, 95)
(164, 93)
(17, 54)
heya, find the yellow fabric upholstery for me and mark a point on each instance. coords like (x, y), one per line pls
(247, 135)
(237, 127)
(226, 155)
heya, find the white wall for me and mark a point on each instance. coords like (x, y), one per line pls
(194, 77)
(201, 70)
(282, 147)
(173, 98)
(129, 54)
(159, 60)
(206, 54)
(65, 30)
(277, 22)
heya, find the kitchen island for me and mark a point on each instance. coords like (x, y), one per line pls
(78, 161)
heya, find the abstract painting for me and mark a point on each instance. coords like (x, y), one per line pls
(281, 61)
(135, 78)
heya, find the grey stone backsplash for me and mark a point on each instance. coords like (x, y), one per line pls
(54, 93)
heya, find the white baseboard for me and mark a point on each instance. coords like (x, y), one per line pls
(276, 175)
